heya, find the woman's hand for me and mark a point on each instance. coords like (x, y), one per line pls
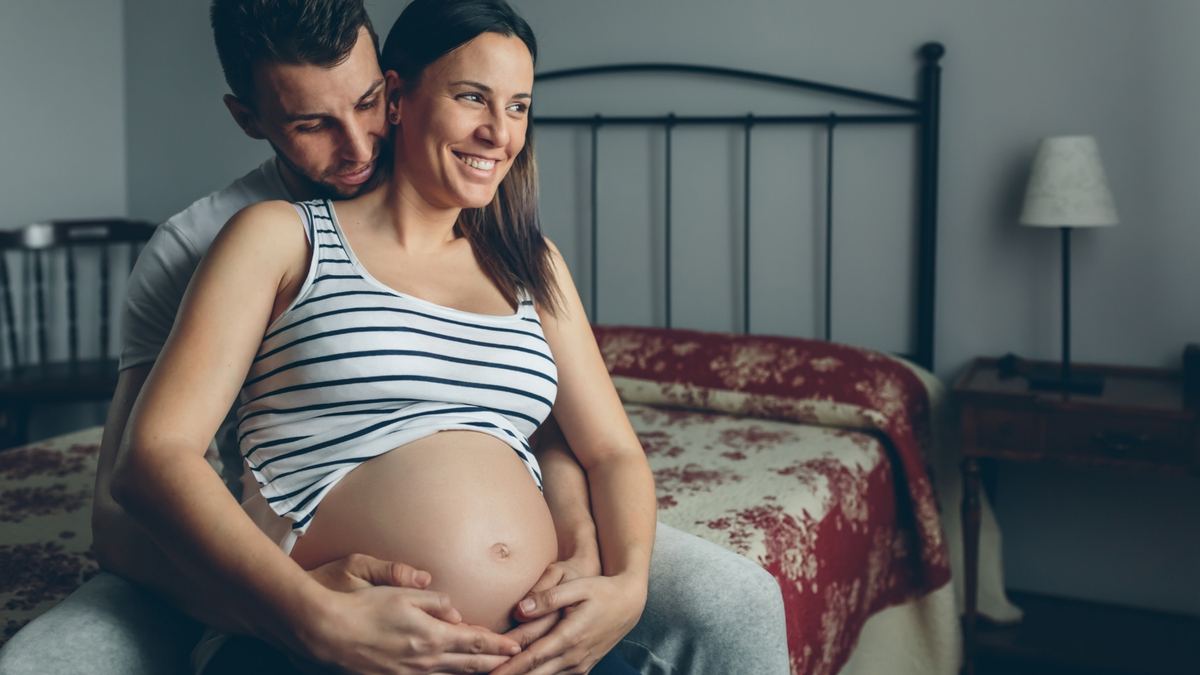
(359, 571)
(588, 614)
(533, 629)
(399, 631)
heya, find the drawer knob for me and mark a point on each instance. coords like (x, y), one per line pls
(1121, 442)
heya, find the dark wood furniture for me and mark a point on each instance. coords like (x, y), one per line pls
(1074, 637)
(45, 286)
(1138, 423)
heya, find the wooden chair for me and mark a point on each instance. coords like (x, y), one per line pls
(32, 311)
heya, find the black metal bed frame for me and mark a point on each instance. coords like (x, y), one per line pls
(921, 112)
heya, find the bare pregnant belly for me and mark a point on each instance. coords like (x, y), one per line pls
(458, 504)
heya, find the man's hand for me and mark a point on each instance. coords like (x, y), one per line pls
(596, 612)
(358, 571)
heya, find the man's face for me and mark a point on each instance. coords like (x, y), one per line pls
(327, 125)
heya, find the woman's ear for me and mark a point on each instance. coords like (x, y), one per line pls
(394, 87)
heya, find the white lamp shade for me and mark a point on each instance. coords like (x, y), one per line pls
(1067, 187)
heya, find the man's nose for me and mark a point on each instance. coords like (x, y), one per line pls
(358, 144)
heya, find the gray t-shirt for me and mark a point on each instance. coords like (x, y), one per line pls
(166, 265)
(164, 268)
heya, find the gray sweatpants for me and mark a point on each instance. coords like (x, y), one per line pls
(708, 611)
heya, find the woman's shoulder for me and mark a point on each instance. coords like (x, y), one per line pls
(273, 229)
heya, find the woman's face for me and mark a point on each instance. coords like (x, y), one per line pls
(461, 128)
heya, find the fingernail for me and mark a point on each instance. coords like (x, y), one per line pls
(455, 617)
(421, 578)
(528, 605)
(515, 649)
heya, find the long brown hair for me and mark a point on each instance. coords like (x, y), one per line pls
(505, 235)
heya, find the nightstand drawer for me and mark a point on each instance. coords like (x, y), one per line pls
(1007, 429)
(1126, 438)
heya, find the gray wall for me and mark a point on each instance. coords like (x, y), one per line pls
(62, 138)
(1122, 70)
(62, 110)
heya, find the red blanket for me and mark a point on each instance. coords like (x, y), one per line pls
(814, 383)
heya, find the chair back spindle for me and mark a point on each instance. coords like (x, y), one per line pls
(34, 373)
(72, 308)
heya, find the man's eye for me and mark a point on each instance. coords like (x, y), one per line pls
(367, 105)
(311, 128)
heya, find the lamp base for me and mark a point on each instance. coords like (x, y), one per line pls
(1091, 384)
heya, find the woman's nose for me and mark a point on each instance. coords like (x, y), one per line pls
(495, 130)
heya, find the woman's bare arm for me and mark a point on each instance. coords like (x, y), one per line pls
(599, 611)
(163, 482)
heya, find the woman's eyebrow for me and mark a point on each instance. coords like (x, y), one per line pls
(483, 87)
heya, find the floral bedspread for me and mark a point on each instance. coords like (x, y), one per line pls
(45, 525)
(839, 508)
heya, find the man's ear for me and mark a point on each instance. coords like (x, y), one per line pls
(393, 96)
(244, 116)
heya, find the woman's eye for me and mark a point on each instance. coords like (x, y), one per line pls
(519, 108)
(472, 96)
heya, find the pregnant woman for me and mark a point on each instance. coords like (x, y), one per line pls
(391, 357)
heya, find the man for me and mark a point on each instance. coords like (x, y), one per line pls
(305, 77)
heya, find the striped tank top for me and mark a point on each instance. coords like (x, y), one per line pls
(353, 369)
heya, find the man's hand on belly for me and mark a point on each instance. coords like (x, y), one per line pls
(358, 571)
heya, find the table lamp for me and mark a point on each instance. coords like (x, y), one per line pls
(1067, 189)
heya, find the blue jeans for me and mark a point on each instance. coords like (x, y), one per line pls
(707, 611)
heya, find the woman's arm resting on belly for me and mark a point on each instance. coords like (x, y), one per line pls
(598, 611)
(564, 485)
(164, 483)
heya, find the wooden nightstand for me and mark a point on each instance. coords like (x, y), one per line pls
(1138, 423)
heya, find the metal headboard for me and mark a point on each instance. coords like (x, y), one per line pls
(922, 113)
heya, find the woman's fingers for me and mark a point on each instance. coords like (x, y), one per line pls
(552, 577)
(470, 663)
(476, 640)
(387, 573)
(541, 603)
(358, 571)
(436, 605)
(531, 631)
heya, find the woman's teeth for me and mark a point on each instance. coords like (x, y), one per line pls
(481, 164)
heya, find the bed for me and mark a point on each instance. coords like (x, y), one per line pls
(830, 465)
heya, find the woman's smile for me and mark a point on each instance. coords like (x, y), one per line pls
(483, 165)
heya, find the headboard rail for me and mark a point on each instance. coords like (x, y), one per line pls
(925, 117)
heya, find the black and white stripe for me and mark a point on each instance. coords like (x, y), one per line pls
(354, 369)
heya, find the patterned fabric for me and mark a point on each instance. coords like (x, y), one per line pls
(843, 514)
(45, 525)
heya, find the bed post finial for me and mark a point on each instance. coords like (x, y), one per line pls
(932, 51)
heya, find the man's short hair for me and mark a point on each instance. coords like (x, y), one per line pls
(303, 32)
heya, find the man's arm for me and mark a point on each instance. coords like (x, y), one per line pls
(565, 487)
